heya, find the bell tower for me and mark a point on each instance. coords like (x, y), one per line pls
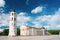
(12, 24)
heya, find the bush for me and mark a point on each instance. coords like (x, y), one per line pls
(5, 32)
(54, 31)
(18, 31)
(0, 33)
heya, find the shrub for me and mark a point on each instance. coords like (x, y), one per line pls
(5, 32)
(18, 31)
(54, 31)
(0, 33)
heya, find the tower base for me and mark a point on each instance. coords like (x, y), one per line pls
(12, 35)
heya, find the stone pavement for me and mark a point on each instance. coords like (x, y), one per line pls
(50, 37)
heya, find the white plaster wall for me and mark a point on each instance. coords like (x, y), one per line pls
(32, 31)
(24, 30)
(12, 27)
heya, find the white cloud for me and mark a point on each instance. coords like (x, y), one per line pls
(37, 25)
(21, 19)
(41, 20)
(22, 13)
(4, 19)
(37, 10)
(56, 18)
(50, 21)
(2, 3)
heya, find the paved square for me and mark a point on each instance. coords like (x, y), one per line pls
(50, 37)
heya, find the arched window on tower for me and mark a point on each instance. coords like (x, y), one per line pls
(12, 18)
(12, 13)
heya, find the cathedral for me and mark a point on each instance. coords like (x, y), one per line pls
(32, 31)
(24, 30)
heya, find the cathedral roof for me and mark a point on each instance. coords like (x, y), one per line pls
(42, 27)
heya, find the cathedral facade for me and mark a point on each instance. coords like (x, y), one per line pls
(32, 31)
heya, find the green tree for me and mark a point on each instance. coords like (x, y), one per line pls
(54, 31)
(5, 32)
(18, 31)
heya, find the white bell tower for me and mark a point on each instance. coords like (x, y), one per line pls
(12, 24)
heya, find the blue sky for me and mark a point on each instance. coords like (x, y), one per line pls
(35, 13)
